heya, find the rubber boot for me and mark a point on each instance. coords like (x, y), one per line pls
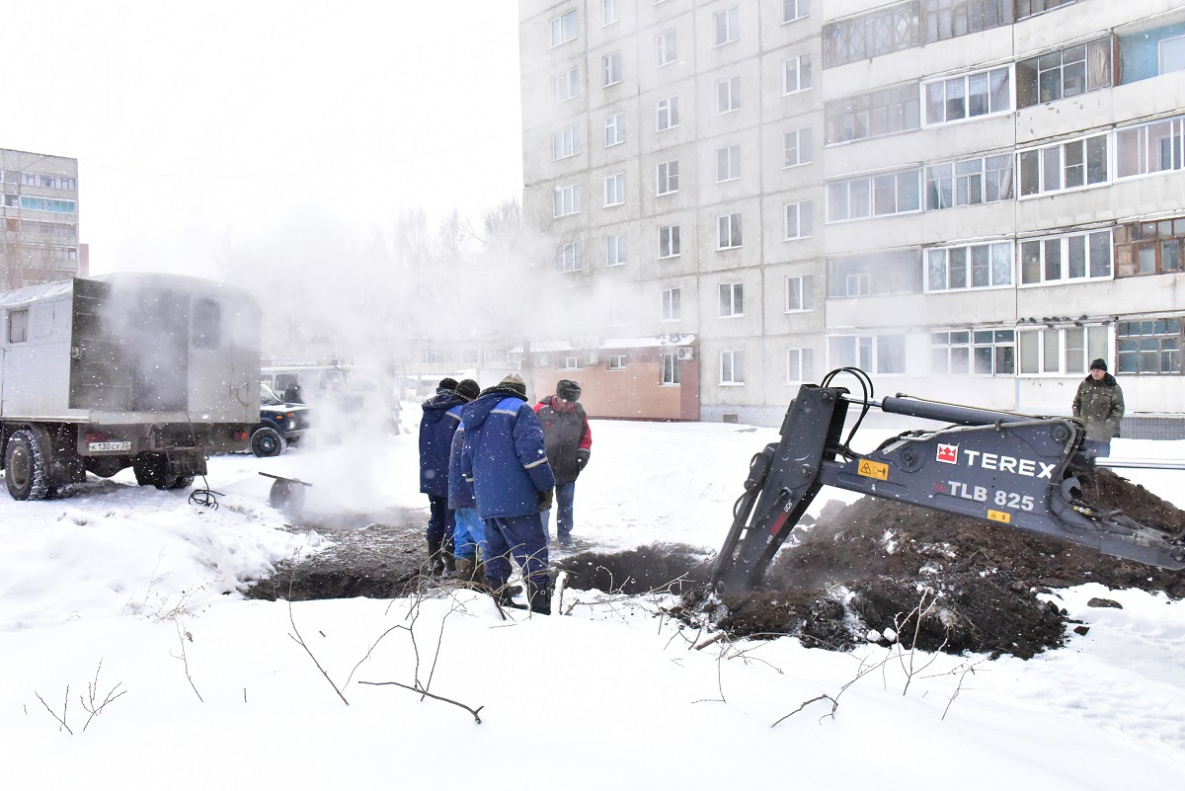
(464, 570)
(449, 561)
(435, 559)
(540, 599)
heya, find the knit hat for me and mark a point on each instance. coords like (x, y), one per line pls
(468, 389)
(1100, 363)
(447, 383)
(516, 383)
(568, 390)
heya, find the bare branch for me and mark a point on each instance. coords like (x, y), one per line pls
(62, 719)
(425, 693)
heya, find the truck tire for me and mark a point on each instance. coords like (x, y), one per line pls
(266, 441)
(25, 466)
(152, 470)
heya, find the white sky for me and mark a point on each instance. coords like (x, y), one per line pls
(201, 125)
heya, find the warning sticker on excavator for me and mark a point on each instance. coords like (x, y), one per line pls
(999, 516)
(874, 469)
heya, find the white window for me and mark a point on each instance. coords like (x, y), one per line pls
(615, 189)
(1172, 54)
(732, 300)
(728, 231)
(1078, 163)
(568, 363)
(968, 182)
(869, 196)
(800, 293)
(610, 11)
(728, 163)
(1150, 148)
(968, 96)
(728, 95)
(611, 68)
(666, 44)
(668, 241)
(1060, 350)
(728, 25)
(670, 368)
(795, 9)
(567, 200)
(796, 146)
(672, 310)
(798, 220)
(565, 143)
(566, 84)
(796, 74)
(732, 367)
(668, 113)
(1080, 256)
(563, 28)
(979, 352)
(569, 256)
(617, 362)
(667, 177)
(882, 354)
(969, 266)
(614, 129)
(800, 365)
(615, 250)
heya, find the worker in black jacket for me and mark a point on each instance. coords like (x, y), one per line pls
(568, 440)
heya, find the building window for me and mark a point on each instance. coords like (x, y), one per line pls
(728, 231)
(1171, 54)
(49, 204)
(1149, 347)
(993, 352)
(48, 181)
(1078, 163)
(728, 25)
(1080, 256)
(800, 365)
(672, 310)
(668, 113)
(796, 147)
(1064, 73)
(950, 352)
(565, 143)
(968, 182)
(610, 11)
(569, 257)
(615, 189)
(945, 19)
(1150, 248)
(882, 354)
(800, 293)
(868, 274)
(967, 96)
(797, 220)
(1150, 148)
(1028, 8)
(732, 300)
(615, 250)
(667, 46)
(874, 196)
(670, 368)
(728, 95)
(614, 129)
(969, 266)
(728, 163)
(1066, 350)
(667, 177)
(611, 68)
(18, 325)
(668, 241)
(885, 112)
(796, 74)
(569, 363)
(795, 9)
(617, 362)
(868, 35)
(567, 200)
(563, 28)
(732, 367)
(566, 84)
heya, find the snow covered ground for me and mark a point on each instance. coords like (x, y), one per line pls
(132, 594)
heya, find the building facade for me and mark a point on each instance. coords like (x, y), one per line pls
(969, 199)
(40, 211)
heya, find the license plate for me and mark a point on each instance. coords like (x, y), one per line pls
(102, 446)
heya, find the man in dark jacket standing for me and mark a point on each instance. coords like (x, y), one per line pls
(504, 458)
(1099, 404)
(568, 439)
(436, 438)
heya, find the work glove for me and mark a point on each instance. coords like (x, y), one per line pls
(582, 459)
(545, 499)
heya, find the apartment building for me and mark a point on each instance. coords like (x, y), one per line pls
(40, 211)
(969, 199)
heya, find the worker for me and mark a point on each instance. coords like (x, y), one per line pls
(568, 439)
(1099, 404)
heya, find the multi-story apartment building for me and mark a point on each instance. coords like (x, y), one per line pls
(969, 199)
(40, 211)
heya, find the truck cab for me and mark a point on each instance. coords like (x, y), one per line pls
(281, 423)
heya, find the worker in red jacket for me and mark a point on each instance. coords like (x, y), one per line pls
(568, 440)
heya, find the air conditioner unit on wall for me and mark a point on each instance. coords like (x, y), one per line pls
(685, 353)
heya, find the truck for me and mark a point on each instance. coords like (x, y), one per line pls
(148, 371)
(1020, 471)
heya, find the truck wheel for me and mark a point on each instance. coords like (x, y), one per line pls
(266, 441)
(25, 467)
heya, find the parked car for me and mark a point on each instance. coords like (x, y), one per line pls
(280, 423)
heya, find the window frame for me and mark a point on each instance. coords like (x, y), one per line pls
(800, 360)
(805, 290)
(798, 208)
(672, 304)
(666, 174)
(615, 250)
(732, 367)
(968, 265)
(730, 298)
(728, 95)
(564, 27)
(801, 10)
(1039, 342)
(730, 162)
(671, 243)
(1038, 162)
(666, 44)
(566, 200)
(965, 80)
(669, 376)
(565, 143)
(803, 142)
(569, 79)
(870, 190)
(615, 124)
(670, 108)
(729, 231)
(731, 18)
(1131, 346)
(614, 190)
(1065, 258)
(569, 256)
(611, 70)
(802, 78)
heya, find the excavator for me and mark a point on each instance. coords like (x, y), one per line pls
(1018, 470)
